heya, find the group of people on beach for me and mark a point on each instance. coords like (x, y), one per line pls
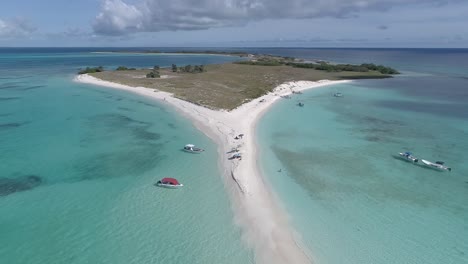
(240, 136)
(236, 155)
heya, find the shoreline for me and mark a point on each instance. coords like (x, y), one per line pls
(264, 223)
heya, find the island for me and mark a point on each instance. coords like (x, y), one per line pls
(225, 101)
(228, 86)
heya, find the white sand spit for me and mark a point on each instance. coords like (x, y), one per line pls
(263, 221)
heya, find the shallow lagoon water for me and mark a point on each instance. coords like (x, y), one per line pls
(348, 195)
(79, 164)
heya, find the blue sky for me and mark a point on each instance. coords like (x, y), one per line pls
(291, 23)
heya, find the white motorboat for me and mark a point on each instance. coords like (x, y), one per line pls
(408, 156)
(338, 95)
(170, 183)
(192, 149)
(439, 165)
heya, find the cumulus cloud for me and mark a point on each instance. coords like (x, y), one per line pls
(17, 27)
(119, 17)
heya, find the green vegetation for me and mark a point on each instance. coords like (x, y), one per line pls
(324, 66)
(91, 70)
(189, 68)
(123, 68)
(154, 73)
(380, 68)
(267, 60)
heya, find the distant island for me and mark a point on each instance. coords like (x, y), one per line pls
(229, 85)
(205, 52)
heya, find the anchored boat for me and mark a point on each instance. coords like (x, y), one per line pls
(192, 149)
(170, 183)
(438, 165)
(408, 156)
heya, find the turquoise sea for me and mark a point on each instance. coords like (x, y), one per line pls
(78, 164)
(345, 191)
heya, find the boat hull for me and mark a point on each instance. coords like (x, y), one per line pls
(193, 151)
(436, 166)
(408, 158)
(169, 186)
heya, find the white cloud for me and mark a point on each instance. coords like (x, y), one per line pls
(118, 17)
(17, 27)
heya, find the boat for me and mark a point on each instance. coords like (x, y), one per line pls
(192, 149)
(338, 95)
(408, 156)
(439, 165)
(170, 183)
(300, 104)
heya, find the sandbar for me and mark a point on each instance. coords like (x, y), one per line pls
(264, 223)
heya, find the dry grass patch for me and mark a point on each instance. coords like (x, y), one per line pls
(226, 86)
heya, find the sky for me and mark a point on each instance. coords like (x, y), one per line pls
(234, 23)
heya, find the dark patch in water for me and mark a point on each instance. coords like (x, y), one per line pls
(125, 109)
(324, 172)
(9, 186)
(143, 133)
(171, 125)
(150, 105)
(117, 123)
(373, 138)
(11, 125)
(440, 109)
(5, 115)
(9, 86)
(128, 161)
(375, 129)
(379, 121)
(33, 87)
(117, 120)
(9, 98)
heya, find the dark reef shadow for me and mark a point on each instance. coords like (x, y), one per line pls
(9, 186)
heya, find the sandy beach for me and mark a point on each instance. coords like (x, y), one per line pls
(263, 221)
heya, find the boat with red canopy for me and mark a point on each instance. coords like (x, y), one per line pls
(169, 183)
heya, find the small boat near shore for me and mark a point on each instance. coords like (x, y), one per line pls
(408, 156)
(170, 183)
(300, 104)
(338, 95)
(192, 149)
(438, 165)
